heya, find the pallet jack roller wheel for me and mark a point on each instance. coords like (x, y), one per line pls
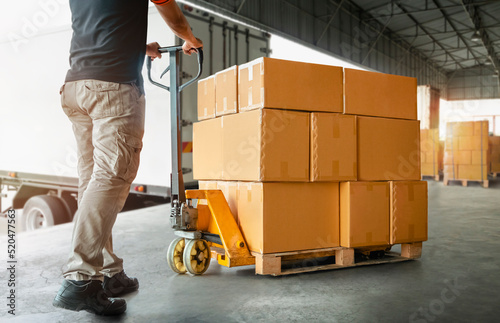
(197, 256)
(175, 254)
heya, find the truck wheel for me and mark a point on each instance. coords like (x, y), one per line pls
(43, 211)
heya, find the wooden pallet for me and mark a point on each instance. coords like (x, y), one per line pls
(297, 262)
(434, 177)
(495, 175)
(465, 182)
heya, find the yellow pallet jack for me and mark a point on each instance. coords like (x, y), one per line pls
(201, 219)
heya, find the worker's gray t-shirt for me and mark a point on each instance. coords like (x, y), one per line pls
(109, 40)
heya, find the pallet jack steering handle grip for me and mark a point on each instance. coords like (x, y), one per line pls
(170, 50)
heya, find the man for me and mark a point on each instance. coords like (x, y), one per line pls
(103, 96)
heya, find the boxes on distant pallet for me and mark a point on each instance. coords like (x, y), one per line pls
(364, 214)
(206, 98)
(226, 93)
(280, 217)
(388, 149)
(380, 95)
(494, 143)
(207, 149)
(431, 152)
(274, 83)
(408, 217)
(333, 147)
(266, 145)
(467, 148)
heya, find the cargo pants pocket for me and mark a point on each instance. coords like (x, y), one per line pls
(129, 149)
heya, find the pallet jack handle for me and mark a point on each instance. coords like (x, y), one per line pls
(175, 88)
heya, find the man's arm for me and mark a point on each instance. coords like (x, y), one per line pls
(175, 19)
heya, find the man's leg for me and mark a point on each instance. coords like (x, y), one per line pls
(117, 112)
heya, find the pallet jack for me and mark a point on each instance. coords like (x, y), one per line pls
(201, 219)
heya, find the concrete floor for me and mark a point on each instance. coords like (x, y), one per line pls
(456, 280)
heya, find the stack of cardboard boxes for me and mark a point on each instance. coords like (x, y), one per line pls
(466, 151)
(311, 156)
(431, 152)
(494, 147)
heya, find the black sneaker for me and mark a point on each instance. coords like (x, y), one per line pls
(88, 296)
(120, 284)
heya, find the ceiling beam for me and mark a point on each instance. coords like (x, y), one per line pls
(460, 36)
(428, 34)
(470, 8)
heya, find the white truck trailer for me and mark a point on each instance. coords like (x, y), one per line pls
(38, 151)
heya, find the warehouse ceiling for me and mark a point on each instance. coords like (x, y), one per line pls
(453, 45)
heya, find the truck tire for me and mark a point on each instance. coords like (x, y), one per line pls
(43, 211)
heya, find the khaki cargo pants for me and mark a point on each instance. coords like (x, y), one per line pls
(108, 123)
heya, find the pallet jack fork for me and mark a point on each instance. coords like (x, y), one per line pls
(202, 219)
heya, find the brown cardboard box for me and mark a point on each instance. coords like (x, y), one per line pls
(280, 217)
(408, 217)
(477, 159)
(450, 171)
(429, 169)
(226, 93)
(473, 172)
(448, 144)
(473, 143)
(381, 95)
(481, 128)
(388, 149)
(495, 167)
(333, 147)
(207, 149)
(207, 185)
(463, 157)
(266, 145)
(206, 98)
(364, 214)
(230, 191)
(274, 83)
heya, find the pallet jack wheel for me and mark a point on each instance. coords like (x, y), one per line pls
(197, 256)
(175, 255)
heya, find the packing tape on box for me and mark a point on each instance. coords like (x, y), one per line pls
(224, 103)
(262, 95)
(250, 73)
(262, 67)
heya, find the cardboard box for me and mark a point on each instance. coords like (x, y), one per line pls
(230, 191)
(380, 95)
(266, 145)
(479, 157)
(473, 143)
(207, 149)
(281, 217)
(481, 128)
(364, 214)
(333, 147)
(429, 169)
(226, 93)
(451, 143)
(473, 172)
(388, 149)
(450, 171)
(206, 98)
(274, 83)
(408, 217)
(495, 167)
(463, 157)
(207, 185)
